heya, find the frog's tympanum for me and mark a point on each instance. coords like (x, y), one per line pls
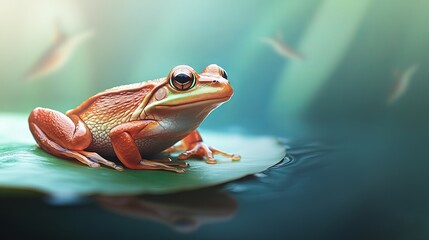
(135, 122)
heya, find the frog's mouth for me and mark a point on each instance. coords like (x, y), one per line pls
(197, 107)
(206, 102)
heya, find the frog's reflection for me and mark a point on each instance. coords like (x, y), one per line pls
(184, 212)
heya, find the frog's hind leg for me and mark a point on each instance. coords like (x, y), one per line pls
(53, 148)
(64, 136)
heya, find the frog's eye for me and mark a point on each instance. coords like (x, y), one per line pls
(182, 79)
(223, 73)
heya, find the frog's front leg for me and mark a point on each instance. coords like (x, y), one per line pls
(64, 136)
(194, 146)
(123, 140)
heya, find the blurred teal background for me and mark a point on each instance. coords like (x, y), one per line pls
(358, 165)
(351, 50)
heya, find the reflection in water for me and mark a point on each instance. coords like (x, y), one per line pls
(184, 212)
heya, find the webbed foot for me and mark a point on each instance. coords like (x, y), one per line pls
(200, 149)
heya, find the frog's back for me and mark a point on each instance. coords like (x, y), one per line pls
(109, 108)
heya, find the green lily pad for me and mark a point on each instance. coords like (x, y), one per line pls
(25, 166)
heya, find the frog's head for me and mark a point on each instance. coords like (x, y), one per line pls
(187, 87)
(186, 91)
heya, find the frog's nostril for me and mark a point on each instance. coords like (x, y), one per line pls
(215, 81)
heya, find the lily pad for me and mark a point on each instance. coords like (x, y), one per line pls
(25, 166)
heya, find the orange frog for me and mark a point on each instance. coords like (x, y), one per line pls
(137, 121)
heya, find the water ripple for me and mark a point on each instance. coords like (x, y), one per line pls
(276, 179)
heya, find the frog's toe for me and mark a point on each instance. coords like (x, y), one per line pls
(211, 161)
(170, 162)
(234, 157)
(97, 159)
(93, 165)
(201, 150)
(155, 165)
(187, 154)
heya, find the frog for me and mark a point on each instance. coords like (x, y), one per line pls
(134, 123)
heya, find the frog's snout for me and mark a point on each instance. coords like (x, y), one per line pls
(224, 87)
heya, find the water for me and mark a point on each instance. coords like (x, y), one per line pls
(371, 186)
(356, 166)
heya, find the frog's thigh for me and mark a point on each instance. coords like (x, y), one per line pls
(60, 136)
(68, 132)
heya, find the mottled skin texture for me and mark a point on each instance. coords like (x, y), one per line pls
(137, 121)
(100, 115)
